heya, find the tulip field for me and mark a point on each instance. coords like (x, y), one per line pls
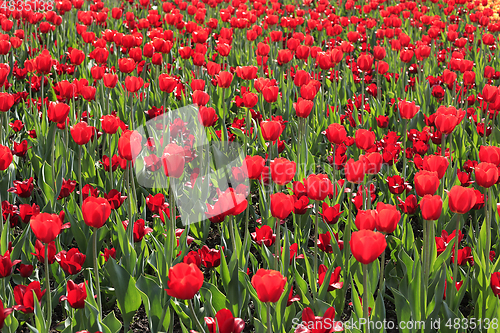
(229, 166)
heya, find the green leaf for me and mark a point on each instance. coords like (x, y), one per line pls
(129, 298)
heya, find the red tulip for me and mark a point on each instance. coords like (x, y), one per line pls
(126, 65)
(490, 154)
(387, 218)
(461, 199)
(224, 322)
(334, 282)
(373, 163)
(173, 160)
(72, 261)
(486, 174)
(76, 294)
(490, 93)
(281, 205)
(110, 80)
(43, 62)
(269, 285)
(366, 219)
(5, 157)
(336, 133)
(365, 62)
(130, 145)
(81, 133)
(254, 164)
(95, 211)
(436, 163)
(447, 118)
(495, 283)
(6, 101)
(426, 182)
(364, 139)
(282, 171)
(303, 107)
(431, 207)
(58, 112)
(46, 227)
(408, 110)
(210, 258)
(271, 130)
(318, 187)
(133, 83)
(110, 124)
(76, 57)
(6, 265)
(184, 281)
(167, 83)
(355, 171)
(367, 245)
(224, 79)
(207, 116)
(264, 235)
(24, 296)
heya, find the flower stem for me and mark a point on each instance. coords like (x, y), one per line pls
(382, 268)
(269, 323)
(172, 224)
(316, 204)
(278, 244)
(47, 286)
(79, 173)
(455, 261)
(365, 296)
(405, 137)
(191, 306)
(96, 274)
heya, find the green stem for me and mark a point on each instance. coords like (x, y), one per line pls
(382, 268)
(405, 137)
(232, 234)
(96, 274)
(110, 162)
(191, 306)
(365, 296)
(278, 245)
(316, 204)
(79, 173)
(455, 261)
(173, 242)
(47, 287)
(269, 322)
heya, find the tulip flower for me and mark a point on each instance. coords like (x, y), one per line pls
(95, 211)
(184, 281)
(426, 182)
(269, 285)
(486, 174)
(461, 199)
(76, 295)
(334, 282)
(271, 130)
(130, 145)
(46, 227)
(367, 245)
(336, 133)
(6, 265)
(71, 261)
(264, 235)
(5, 157)
(224, 322)
(81, 133)
(281, 205)
(495, 283)
(24, 296)
(355, 171)
(173, 160)
(387, 218)
(254, 164)
(282, 171)
(431, 207)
